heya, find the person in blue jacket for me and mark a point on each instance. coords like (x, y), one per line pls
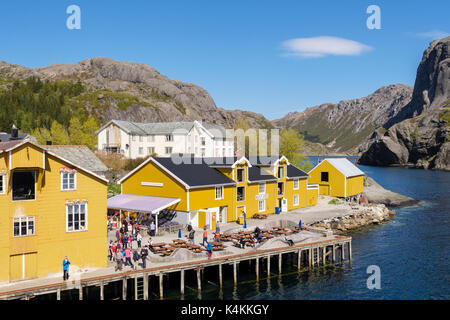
(209, 249)
(66, 264)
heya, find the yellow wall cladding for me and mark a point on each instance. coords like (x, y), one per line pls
(355, 185)
(336, 180)
(46, 249)
(151, 172)
(27, 156)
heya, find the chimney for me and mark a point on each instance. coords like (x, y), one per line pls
(14, 132)
(48, 143)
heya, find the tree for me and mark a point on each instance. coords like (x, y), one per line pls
(76, 131)
(291, 146)
(59, 134)
(89, 136)
(42, 135)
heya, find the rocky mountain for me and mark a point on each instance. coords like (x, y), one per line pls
(133, 91)
(419, 135)
(346, 125)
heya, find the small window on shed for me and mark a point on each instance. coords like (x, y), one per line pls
(324, 176)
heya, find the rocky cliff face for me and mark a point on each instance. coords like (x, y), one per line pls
(419, 135)
(136, 92)
(346, 125)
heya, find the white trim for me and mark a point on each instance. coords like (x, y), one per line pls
(187, 197)
(221, 193)
(10, 161)
(2, 177)
(43, 159)
(151, 184)
(245, 195)
(281, 158)
(298, 200)
(312, 186)
(264, 201)
(35, 183)
(156, 211)
(298, 184)
(73, 203)
(74, 181)
(259, 189)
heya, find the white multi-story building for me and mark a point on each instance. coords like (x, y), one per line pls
(134, 140)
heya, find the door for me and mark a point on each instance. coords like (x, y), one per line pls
(239, 211)
(324, 189)
(201, 219)
(284, 205)
(23, 266)
(213, 220)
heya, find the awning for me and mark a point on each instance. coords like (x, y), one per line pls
(138, 203)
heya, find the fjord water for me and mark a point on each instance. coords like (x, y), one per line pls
(412, 251)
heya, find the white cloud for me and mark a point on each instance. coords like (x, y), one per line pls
(433, 35)
(318, 47)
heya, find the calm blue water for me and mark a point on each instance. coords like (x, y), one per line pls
(412, 251)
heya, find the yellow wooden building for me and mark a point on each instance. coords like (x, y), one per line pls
(50, 208)
(337, 177)
(212, 190)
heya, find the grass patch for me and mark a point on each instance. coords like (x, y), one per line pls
(114, 188)
(334, 201)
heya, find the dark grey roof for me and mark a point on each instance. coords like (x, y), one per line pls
(259, 174)
(79, 155)
(294, 172)
(195, 173)
(7, 136)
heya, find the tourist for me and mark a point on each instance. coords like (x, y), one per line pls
(110, 253)
(144, 254)
(117, 235)
(66, 264)
(209, 249)
(189, 227)
(139, 239)
(119, 260)
(130, 242)
(125, 241)
(113, 251)
(135, 258)
(242, 242)
(217, 228)
(217, 236)
(191, 236)
(152, 229)
(128, 257)
(205, 236)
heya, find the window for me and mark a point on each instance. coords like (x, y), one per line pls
(141, 138)
(280, 172)
(151, 138)
(169, 137)
(151, 150)
(324, 176)
(203, 152)
(240, 175)
(261, 205)
(141, 150)
(280, 188)
(24, 185)
(168, 150)
(203, 141)
(2, 184)
(23, 226)
(133, 138)
(68, 180)
(219, 193)
(240, 193)
(295, 199)
(262, 188)
(295, 184)
(76, 216)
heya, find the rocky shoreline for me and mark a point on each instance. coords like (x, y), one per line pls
(363, 216)
(376, 194)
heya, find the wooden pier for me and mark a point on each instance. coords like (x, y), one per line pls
(308, 255)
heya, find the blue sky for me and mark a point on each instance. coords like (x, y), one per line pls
(234, 49)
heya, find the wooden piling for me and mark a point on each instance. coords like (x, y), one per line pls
(342, 252)
(323, 256)
(58, 294)
(299, 260)
(124, 289)
(102, 291)
(161, 289)
(145, 286)
(279, 262)
(350, 251)
(182, 282)
(80, 292)
(235, 273)
(257, 269)
(334, 253)
(199, 281)
(136, 288)
(309, 258)
(220, 276)
(268, 265)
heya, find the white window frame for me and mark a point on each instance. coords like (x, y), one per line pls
(68, 185)
(169, 137)
(243, 174)
(295, 203)
(133, 138)
(243, 198)
(3, 180)
(27, 219)
(220, 197)
(73, 204)
(168, 148)
(282, 172)
(141, 150)
(151, 138)
(150, 150)
(259, 205)
(264, 188)
(296, 182)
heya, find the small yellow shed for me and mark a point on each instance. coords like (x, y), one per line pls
(337, 177)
